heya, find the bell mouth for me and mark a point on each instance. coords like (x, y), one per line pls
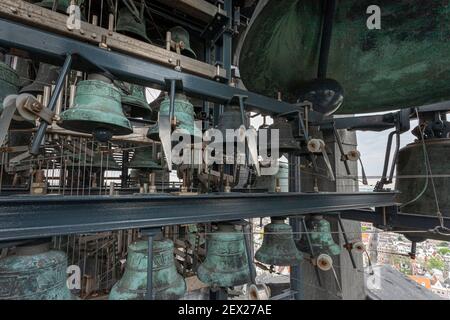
(326, 95)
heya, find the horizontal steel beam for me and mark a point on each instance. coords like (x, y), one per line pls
(38, 17)
(53, 48)
(199, 9)
(27, 217)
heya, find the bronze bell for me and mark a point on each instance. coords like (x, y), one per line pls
(46, 76)
(134, 103)
(143, 159)
(97, 110)
(278, 247)
(23, 69)
(182, 39)
(129, 24)
(321, 237)
(287, 142)
(231, 118)
(34, 273)
(226, 263)
(167, 283)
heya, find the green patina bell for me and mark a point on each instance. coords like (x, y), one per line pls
(9, 81)
(143, 159)
(129, 25)
(34, 273)
(97, 109)
(416, 189)
(47, 75)
(167, 283)
(61, 7)
(135, 104)
(104, 160)
(181, 37)
(278, 247)
(321, 238)
(226, 263)
(183, 113)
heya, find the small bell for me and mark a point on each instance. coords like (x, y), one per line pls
(231, 118)
(287, 142)
(135, 103)
(104, 160)
(226, 263)
(9, 82)
(143, 159)
(321, 238)
(97, 110)
(167, 283)
(278, 247)
(182, 39)
(128, 24)
(46, 76)
(34, 273)
(183, 113)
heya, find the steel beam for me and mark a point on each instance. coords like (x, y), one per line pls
(27, 217)
(53, 48)
(199, 9)
(55, 22)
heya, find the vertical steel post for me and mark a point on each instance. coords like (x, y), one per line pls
(294, 186)
(150, 233)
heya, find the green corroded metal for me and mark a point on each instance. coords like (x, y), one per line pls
(183, 113)
(129, 25)
(97, 105)
(226, 263)
(61, 7)
(278, 247)
(34, 273)
(135, 102)
(103, 160)
(167, 283)
(404, 64)
(321, 238)
(143, 159)
(412, 178)
(9, 82)
(180, 35)
(46, 76)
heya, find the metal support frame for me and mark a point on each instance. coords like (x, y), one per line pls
(40, 134)
(150, 233)
(53, 48)
(27, 217)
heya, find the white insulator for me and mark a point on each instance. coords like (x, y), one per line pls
(316, 145)
(258, 292)
(324, 262)
(359, 247)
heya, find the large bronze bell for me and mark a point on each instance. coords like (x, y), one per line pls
(416, 190)
(167, 283)
(231, 118)
(9, 82)
(321, 237)
(143, 159)
(135, 104)
(278, 247)
(46, 76)
(183, 113)
(287, 142)
(128, 24)
(181, 37)
(97, 109)
(34, 273)
(226, 263)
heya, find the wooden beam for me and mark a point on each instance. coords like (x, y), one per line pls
(48, 20)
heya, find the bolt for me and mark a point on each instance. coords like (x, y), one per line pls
(13, 10)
